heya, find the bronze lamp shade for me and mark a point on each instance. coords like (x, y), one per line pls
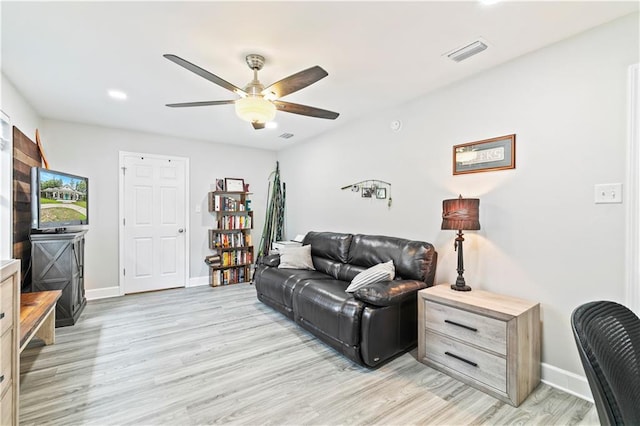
(460, 214)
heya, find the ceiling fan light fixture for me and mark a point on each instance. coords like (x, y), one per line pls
(255, 109)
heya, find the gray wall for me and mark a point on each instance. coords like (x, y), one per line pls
(542, 236)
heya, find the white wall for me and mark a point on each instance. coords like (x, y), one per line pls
(92, 151)
(542, 236)
(23, 116)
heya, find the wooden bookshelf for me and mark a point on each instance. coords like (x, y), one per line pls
(230, 240)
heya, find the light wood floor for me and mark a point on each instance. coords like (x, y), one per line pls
(217, 355)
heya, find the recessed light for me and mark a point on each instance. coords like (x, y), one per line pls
(117, 94)
(271, 125)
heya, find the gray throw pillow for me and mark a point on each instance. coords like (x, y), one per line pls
(380, 272)
(296, 258)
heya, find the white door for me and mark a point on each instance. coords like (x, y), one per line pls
(154, 226)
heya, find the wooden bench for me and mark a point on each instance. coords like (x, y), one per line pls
(38, 316)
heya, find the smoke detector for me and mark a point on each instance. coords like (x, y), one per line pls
(467, 51)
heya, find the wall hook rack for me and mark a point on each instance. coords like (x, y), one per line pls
(372, 188)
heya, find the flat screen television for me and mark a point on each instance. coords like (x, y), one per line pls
(58, 200)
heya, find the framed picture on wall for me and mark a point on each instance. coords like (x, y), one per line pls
(485, 155)
(367, 192)
(234, 184)
(381, 193)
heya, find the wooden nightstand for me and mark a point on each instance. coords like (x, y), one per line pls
(486, 340)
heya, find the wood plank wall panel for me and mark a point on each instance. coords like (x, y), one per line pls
(25, 156)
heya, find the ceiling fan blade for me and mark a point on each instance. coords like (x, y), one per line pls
(305, 110)
(204, 74)
(257, 125)
(195, 104)
(296, 82)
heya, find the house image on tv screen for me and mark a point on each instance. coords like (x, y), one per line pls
(62, 198)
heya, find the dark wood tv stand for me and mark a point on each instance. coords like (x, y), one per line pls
(58, 264)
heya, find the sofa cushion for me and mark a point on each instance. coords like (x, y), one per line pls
(296, 258)
(275, 286)
(327, 308)
(380, 272)
(413, 259)
(330, 245)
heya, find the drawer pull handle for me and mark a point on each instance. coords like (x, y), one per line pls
(460, 325)
(1, 315)
(461, 359)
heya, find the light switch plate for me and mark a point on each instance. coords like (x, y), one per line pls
(605, 193)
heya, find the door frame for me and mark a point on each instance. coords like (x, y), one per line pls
(632, 293)
(121, 155)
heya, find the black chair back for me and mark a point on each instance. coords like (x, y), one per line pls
(608, 339)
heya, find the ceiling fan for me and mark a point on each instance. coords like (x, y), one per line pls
(258, 104)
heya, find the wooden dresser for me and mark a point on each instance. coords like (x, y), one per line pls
(9, 353)
(489, 341)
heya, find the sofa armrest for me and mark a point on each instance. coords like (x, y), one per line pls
(387, 293)
(270, 260)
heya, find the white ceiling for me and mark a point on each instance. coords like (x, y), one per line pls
(64, 56)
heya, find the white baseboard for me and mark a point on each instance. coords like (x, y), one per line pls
(566, 381)
(198, 281)
(102, 293)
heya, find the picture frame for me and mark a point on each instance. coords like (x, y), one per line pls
(367, 192)
(486, 155)
(220, 185)
(234, 184)
(381, 193)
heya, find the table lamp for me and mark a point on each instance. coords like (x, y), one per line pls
(461, 214)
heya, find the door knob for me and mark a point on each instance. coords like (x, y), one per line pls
(181, 230)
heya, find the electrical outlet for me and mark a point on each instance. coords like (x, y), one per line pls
(607, 193)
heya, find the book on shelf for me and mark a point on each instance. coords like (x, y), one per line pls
(221, 203)
(213, 260)
(216, 278)
(229, 276)
(218, 240)
(235, 222)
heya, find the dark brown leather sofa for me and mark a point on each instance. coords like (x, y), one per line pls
(370, 326)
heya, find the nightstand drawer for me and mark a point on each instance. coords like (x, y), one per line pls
(6, 307)
(475, 363)
(485, 332)
(6, 358)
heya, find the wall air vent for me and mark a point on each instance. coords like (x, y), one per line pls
(467, 51)
(286, 135)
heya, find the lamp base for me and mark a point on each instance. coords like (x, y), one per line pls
(460, 287)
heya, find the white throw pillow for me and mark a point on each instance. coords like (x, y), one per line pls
(296, 258)
(380, 272)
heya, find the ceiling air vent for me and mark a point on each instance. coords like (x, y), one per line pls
(467, 51)
(286, 135)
